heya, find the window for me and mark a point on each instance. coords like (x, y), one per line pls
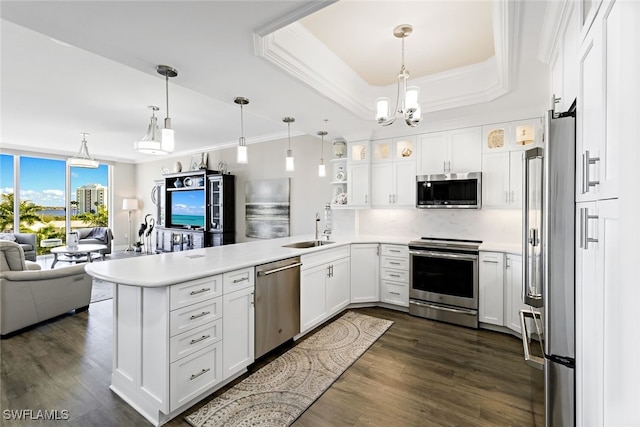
(6, 193)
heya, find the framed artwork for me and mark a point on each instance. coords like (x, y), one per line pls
(267, 208)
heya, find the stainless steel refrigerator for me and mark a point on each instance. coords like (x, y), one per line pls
(549, 263)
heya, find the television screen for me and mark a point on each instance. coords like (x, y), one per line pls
(187, 208)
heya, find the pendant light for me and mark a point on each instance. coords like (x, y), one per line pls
(289, 160)
(168, 141)
(83, 159)
(151, 143)
(241, 154)
(407, 103)
(322, 170)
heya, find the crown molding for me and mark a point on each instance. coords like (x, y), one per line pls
(556, 16)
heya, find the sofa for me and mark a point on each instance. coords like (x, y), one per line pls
(95, 236)
(29, 295)
(26, 240)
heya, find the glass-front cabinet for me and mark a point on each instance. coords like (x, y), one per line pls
(221, 204)
(396, 149)
(510, 136)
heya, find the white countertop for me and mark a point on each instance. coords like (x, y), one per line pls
(175, 267)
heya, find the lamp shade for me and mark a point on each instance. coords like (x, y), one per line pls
(130, 204)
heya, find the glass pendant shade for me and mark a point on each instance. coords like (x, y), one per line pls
(152, 142)
(289, 161)
(83, 159)
(382, 109)
(168, 139)
(168, 135)
(242, 155)
(322, 170)
(411, 99)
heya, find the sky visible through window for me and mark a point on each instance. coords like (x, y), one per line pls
(42, 181)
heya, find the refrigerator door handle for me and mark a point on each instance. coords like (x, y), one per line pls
(531, 360)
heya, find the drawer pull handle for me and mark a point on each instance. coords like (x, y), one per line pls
(200, 291)
(197, 340)
(394, 250)
(394, 293)
(241, 280)
(204, 371)
(204, 313)
(394, 275)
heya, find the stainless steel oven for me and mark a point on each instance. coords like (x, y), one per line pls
(444, 280)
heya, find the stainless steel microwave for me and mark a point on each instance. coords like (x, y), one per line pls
(449, 191)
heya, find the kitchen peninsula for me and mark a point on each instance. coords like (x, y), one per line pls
(184, 321)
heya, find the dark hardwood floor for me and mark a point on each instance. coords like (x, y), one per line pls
(419, 373)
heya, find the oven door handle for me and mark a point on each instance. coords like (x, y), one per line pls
(433, 254)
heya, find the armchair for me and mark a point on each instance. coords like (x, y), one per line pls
(26, 240)
(29, 295)
(96, 236)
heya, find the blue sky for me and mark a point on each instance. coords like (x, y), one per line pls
(42, 180)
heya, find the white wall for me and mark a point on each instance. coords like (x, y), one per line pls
(124, 179)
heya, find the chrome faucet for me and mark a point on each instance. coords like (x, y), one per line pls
(317, 226)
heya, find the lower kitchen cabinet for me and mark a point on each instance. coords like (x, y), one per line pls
(324, 285)
(394, 275)
(513, 292)
(500, 290)
(364, 272)
(238, 330)
(338, 289)
(491, 288)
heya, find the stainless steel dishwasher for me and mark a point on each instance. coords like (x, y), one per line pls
(277, 304)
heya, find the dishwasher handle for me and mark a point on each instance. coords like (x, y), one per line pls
(276, 270)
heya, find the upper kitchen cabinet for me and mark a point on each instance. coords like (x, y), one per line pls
(358, 170)
(453, 151)
(503, 144)
(607, 57)
(396, 149)
(393, 173)
(563, 62)
(510, 136)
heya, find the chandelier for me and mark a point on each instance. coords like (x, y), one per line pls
(406, 97)
(83, 159)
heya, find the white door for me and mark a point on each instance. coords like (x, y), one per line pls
(513, 269)
(238, 331)
(358, 190)
(404, 179)
(338, 289)
(313, 296)
(515, 179)
(382, 184)
(495, 180)
(433, 152)
(491, 288)
(466, 150)
(364, 272)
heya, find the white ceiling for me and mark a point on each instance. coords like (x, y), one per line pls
(75, 66)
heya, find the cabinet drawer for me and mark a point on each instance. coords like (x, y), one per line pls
(395, 250)
(195, 374)
(322, 257)
(192, 316)
(395, 275)
(238, 279)
(396, 263)
(395, 293)
(191, 341)
(194, 291)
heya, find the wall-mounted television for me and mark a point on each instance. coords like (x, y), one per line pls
(187, 208)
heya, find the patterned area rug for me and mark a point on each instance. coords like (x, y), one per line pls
(281, 391)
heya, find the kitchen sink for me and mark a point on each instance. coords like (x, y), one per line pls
(308, 244)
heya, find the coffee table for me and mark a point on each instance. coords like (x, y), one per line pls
(81, 253)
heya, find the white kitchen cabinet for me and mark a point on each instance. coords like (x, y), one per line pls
(395, 149)
(324, 285)
(238, 330)
(601, 378)
(365, 263)
(502, 180)
(394, 275)
(491, 288)
(607, 52)
(393, 184)
(513, 292)
(453, 151)
(338, 289)
(313, 297)
(358, 188)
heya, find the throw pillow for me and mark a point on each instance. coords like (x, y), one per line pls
(8, 236)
